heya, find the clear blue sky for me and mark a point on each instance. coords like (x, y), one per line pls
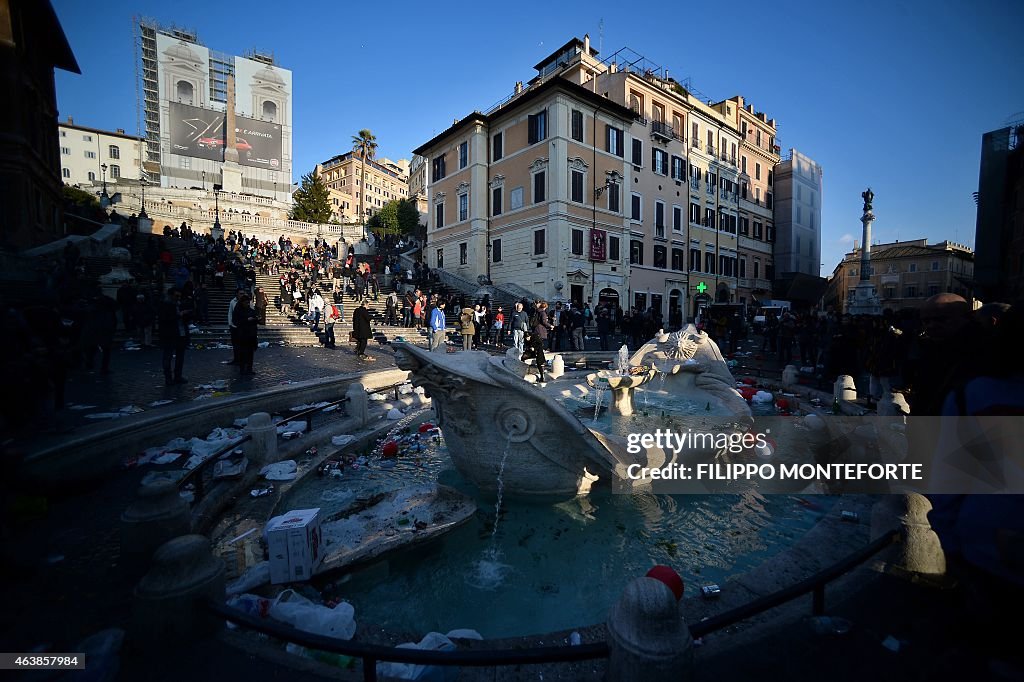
(895, 95)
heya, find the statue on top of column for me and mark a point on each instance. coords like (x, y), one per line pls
(868, 197)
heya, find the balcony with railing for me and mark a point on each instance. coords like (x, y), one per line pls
(711, 149)
(663, 130)
(695, 185)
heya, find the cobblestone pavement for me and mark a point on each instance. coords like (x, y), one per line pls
(136, 377)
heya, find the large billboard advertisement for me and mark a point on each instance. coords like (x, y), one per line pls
(263, 106)
(258, 143)
(196, 132)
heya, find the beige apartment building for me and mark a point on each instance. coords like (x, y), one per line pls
(758, 157)
(641, 185)
(85, 151)
(418, 184)
(905, 274)
(532, 194)
(386, 181)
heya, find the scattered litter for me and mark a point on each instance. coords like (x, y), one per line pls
(280, 471)
(214, 385)
(260, 492)
(309, 406)
(187, 495)
(378, 397)
(292, 608)
(432, 641)
(342, 440)
(395, 414)
(299, 426)
(243, 535)
(405, 389)
(263, 344)
(420, 390)
(131, 409)
(167, 458)
(240, 422)
(227, 468)
(158, 403)
(288, 435)
(891, 643)
(332, 408)
(763, 397)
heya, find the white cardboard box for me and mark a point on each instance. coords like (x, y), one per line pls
(295, 543)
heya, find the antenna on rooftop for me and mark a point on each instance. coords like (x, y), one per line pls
(600, 35)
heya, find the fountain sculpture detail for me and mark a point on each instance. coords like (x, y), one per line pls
(483, 404)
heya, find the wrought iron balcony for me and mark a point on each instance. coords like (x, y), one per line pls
(663, 130)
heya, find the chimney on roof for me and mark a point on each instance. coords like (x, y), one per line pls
(613, 67)
(519, 87)
(71, 121)
(121, 130)
(586, 44)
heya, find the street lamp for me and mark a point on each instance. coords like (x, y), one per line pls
(216, 206)
(204, 181)
(143, 182)
(104, 197)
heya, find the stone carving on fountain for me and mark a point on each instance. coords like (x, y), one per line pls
(692, 362)
(488, 413)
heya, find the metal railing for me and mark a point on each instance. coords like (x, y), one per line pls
(663, 129)
(371, 654)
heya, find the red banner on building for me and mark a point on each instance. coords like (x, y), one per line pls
(598, 245)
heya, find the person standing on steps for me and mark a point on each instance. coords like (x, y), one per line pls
(437, 327)
(174, 318)
(390, 305)
(246, 322)
(467, 327)
(333, 317)
(233, 329)
(520, 323)
(362, 330)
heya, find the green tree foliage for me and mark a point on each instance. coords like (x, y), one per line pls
(388, 216)
(408, 216)
(312, 200)
(83, 204)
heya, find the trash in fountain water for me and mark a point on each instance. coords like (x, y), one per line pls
(395, 414)
(342, 440)
(292, 608)
(711, 591)
(378, 397)
(260, 492)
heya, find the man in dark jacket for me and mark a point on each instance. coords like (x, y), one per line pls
(361, 329)
(538, 335)
(175, 315)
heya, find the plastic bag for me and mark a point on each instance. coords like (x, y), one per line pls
(291, 607)
(280, 471)
(432, 641)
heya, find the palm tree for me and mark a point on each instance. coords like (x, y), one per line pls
(366, 144)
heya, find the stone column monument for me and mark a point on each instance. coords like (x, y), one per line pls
(231, 172)
(865, 299)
